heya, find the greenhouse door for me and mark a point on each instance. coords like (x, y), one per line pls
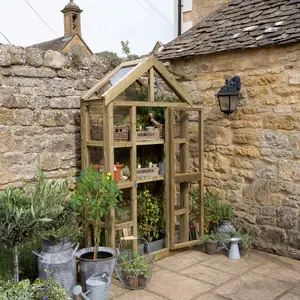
(185, 157)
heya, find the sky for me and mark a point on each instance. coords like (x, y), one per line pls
(104, 23)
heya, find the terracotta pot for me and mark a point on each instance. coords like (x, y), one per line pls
(117, 175)
(211, 247)
(96, 167)
(119, 166)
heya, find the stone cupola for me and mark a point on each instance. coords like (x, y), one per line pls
(72, 19)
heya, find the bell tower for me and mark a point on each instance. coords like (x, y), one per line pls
(72, 19)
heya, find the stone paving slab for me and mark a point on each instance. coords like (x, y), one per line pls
(174, 286)
(289, 296)
(222, 263)
(182, 260)
(206, 274)
(276, 271)
(139, 295)
(193, 275)
(252, 286)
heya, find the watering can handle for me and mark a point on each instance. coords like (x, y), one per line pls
(38, 254)
(75, 249)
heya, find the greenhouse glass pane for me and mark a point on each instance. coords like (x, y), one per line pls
(120, 75)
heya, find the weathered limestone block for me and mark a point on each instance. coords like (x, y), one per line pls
(248, 152)
(294, 77)
(282, 109)
(217, 135)
(263, 170)
(18, 55)
(287, 217)
(55, 60)
(273, 234)
(67, 102)
(294, 238)
(288, 122)
(289, 170)
(50, 161)
(221, 164)
(18, 101)
(5, 56)
(269, 211)
(266, 220)
(6, 116)
(275, 139)
(26, 71)
(52, 117)
(249, 137)
(34, 57)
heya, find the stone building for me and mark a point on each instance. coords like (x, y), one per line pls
(72, 41)
(252, 156)
(192, 12)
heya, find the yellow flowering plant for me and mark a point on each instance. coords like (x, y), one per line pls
(96, 194)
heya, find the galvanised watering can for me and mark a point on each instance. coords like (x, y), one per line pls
(234, 251)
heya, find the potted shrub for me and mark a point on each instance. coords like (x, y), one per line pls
(211, 242)
(23, 211)
(150, 219)
(60, 242)
(134, 270)
(246, 242)
(95, 196)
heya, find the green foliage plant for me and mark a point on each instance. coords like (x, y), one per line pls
(246, 238)
(24, 211)
(95, 196)
(148, 215)
(39, 289)
(137, 265)
(215, 209)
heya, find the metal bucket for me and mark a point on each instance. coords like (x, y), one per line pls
(97, 287)
(58, 261)
(105, 263)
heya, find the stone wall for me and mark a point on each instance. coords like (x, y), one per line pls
(252, 158)
(39, 111)
(203, 8)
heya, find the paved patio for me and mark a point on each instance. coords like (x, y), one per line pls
(193, 275)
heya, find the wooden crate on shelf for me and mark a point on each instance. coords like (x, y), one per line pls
(121, 133)
(147, 172)
(147, 135)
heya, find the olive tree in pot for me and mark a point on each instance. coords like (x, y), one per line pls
(23, 211)
(95, 196)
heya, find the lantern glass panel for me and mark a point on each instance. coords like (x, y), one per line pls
(233, 103)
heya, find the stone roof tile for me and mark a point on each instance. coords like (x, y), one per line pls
(239, 24)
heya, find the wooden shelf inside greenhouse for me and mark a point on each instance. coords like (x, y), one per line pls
(125, 185)
(150, 142)
(150, 179)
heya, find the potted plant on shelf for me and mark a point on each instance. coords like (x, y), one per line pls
(150, 219)
(95, 196)
(23, 211)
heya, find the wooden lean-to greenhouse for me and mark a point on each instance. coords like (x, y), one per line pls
(138, 118)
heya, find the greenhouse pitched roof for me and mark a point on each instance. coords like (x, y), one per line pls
(129, 72)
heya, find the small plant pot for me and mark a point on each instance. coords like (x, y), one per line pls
(96, 167)
(117, 175)
(211, 247)
(119, 166)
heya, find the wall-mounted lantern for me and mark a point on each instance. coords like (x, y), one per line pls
(229, 95)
